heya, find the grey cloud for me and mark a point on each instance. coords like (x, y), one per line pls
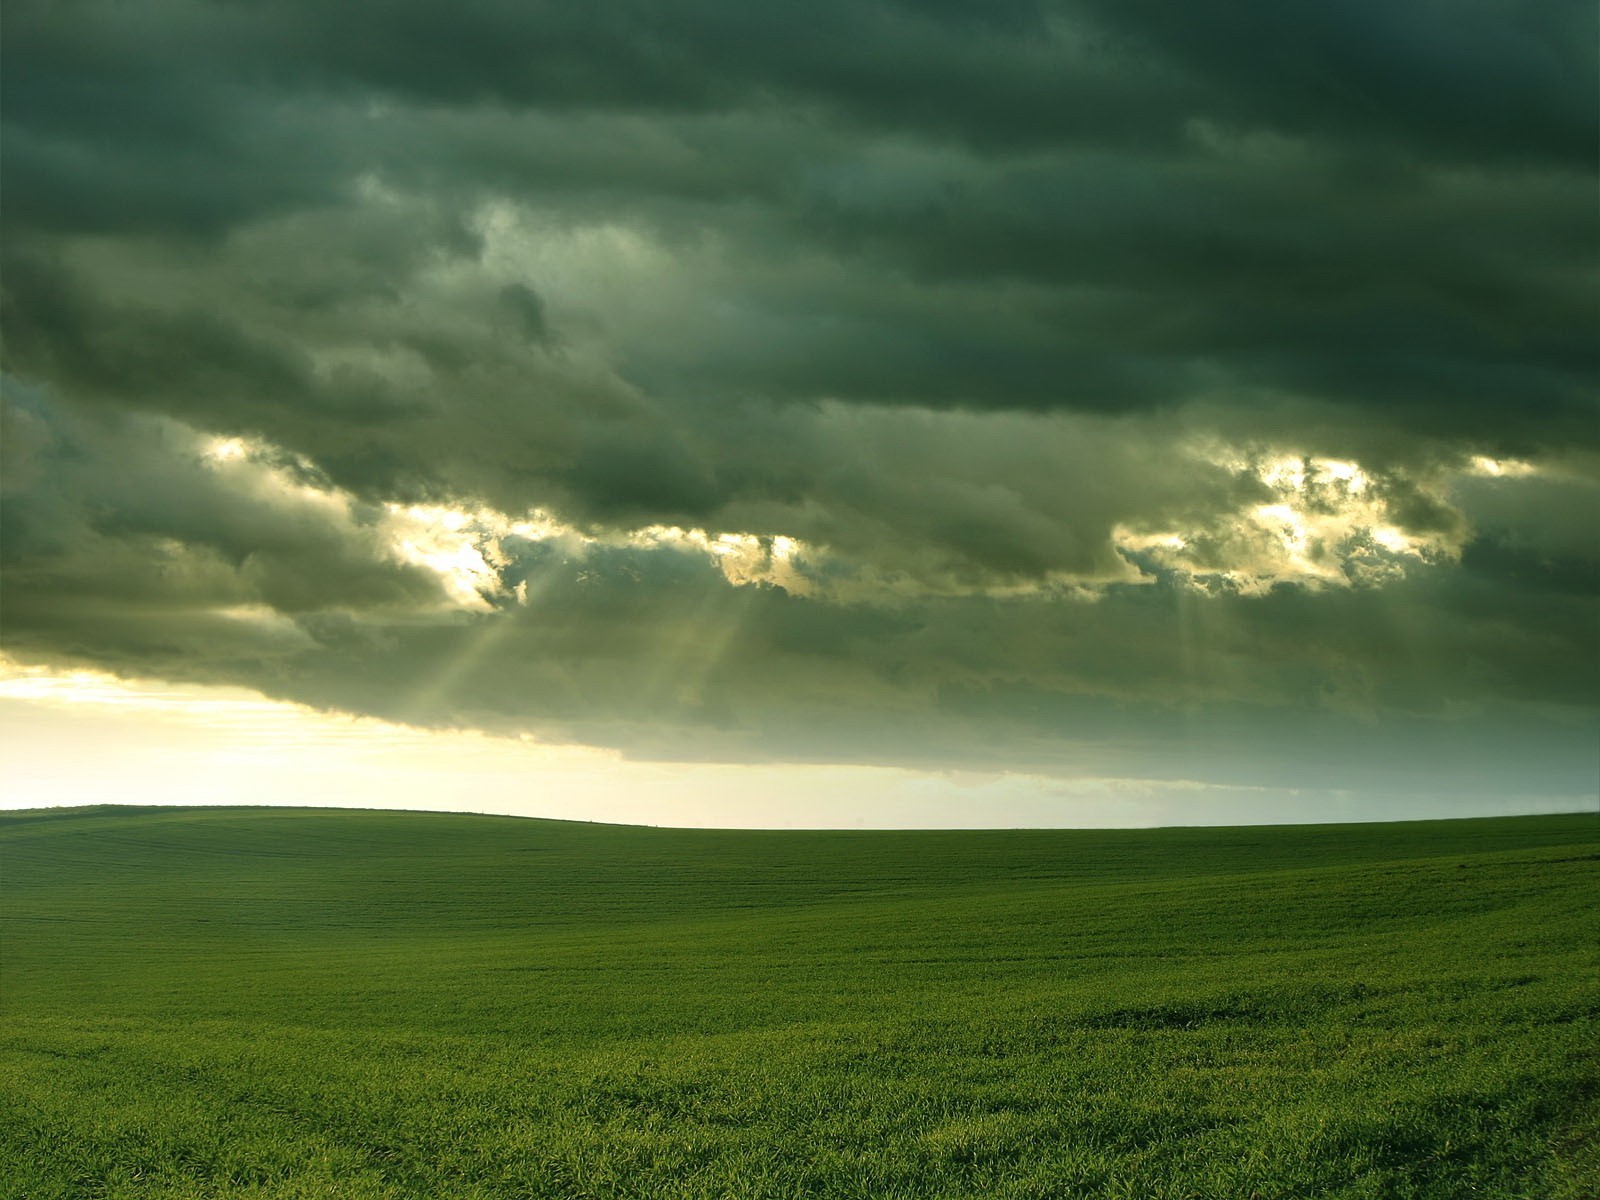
(121, 516)
(125, 550)
(1468, 80)
(950, 293)
(1252, 247)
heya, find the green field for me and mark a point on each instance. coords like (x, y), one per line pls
(308, 1003)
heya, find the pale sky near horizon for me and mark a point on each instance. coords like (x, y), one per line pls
(79, 738)
(896, 411)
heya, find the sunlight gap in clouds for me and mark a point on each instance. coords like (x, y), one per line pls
(1328, 524)
(1502, 468)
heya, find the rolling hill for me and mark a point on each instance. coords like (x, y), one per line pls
(281, 1003)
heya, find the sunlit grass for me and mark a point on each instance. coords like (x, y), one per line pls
(290, 1003)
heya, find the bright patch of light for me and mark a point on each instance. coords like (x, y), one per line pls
(225, 449)
(1328, 470)
(468, 549)
(1284, 472)
(1128, 539)
(462, 548)
(1285, 523)
(1327, 525)
(540, 526)
(1502, 468)
(1394, 540)
(743, 558)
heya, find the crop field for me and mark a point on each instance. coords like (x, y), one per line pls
(277, 1003)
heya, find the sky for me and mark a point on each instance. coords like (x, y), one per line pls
(871, 413)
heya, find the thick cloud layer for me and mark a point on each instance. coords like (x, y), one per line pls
(1197, 392)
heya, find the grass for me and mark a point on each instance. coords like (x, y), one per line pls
(277, 1003)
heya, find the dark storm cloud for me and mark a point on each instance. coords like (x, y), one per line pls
(653, 650)
(123, 514)
(1471, 80)
(1004, 311)
(1257, 197)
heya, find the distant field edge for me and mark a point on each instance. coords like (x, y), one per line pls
(18, 816)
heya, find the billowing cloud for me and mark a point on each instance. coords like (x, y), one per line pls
(1079, 387)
